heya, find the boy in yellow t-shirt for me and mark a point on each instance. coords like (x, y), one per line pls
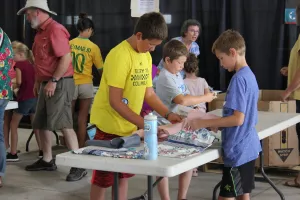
(125, 83)
(85, 54)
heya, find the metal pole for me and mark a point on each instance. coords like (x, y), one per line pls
(261, 159)
(150, 188)
(116, 186)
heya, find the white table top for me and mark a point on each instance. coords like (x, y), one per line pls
(11, 105)
(163, 166)
(268, 124)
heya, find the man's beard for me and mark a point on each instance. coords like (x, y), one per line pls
(35, 23)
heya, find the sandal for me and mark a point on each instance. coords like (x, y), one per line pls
(296, 184)
(195, 173)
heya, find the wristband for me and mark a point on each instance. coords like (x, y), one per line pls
(167, 114)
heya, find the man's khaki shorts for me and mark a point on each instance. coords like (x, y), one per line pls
(55, 113)
(83, 91)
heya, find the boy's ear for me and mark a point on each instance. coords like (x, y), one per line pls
(232, 52)
(167, 60)
(139, 35)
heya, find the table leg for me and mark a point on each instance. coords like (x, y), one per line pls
(116, 186)
(146, 194)
(261, 161)
(150, 188)
(215, 191)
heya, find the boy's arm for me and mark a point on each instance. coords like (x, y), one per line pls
(170, 89)
(206, 91)
(237, 119)
(156, 104)
(189, 100)
(115, 100)
(236, 101)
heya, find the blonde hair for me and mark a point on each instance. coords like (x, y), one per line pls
(230, 39)
(19, 47)
(14, 44)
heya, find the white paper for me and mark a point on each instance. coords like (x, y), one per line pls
(145, 6)
(140, 7)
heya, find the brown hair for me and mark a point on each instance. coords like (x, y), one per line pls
(174, 49)
(19, 47)
(191, 64)
(186, 24)
(152, 26)
(230, 39)
(84, 23)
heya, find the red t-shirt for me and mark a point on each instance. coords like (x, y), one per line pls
(50, 43)
(27, 80)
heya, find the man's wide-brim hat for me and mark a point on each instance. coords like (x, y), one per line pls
(41, 4)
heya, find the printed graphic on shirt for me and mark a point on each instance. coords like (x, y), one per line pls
(85, 54)
(78, 59)
(140, 77)
(183, 89)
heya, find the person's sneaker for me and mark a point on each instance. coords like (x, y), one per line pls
(40, 154)
(42, 165)
(12, 157)
(76, 174)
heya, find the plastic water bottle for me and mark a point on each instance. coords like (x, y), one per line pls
(150, 133)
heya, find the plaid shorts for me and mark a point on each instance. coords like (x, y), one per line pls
(105, 179)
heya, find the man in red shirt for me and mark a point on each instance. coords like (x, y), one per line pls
(54, 84)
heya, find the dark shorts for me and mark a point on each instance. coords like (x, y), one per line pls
(237, 181)
(55, 113)
(105, 179)
(26, 107)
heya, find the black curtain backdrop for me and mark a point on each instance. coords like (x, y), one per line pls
(261, 22)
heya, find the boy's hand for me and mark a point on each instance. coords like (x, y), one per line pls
(174, 118)
(195, 124)
(162, 135)
(210, 96)
(284, 71)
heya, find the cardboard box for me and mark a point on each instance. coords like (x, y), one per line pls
(281, 149)
(217, 103)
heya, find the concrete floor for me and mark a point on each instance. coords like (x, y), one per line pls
(22, 185)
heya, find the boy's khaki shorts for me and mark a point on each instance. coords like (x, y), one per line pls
(55, 113)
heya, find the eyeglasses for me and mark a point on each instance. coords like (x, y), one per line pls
(194, 31)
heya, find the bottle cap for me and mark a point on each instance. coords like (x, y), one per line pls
(150, 116)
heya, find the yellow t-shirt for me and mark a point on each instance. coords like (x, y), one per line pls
(127, 69)
(294, 65)
(84, 54)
